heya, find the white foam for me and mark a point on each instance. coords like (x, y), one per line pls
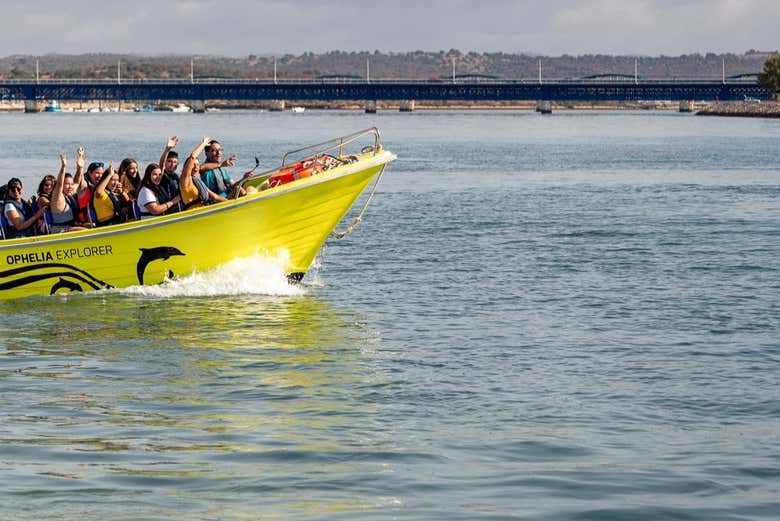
(256, 275)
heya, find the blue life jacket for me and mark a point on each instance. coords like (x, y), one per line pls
(168, 189)
(25, 211)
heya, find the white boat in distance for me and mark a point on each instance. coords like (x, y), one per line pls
(298, 110)
(181, 107)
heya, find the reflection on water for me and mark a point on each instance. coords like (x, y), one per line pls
(109, 390)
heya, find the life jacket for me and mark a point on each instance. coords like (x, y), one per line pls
(144, 212)
(83, 204)
(203, 194)
(25, 211)
(41, 227)
(167, 190)
(221, 186)
(169, 186)
(131, 185)
(117, 218)
(72, 204)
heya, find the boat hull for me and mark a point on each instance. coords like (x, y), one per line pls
(289, 223)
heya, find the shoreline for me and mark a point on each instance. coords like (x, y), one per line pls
(750, 109)
(743, 109)
(126, 106)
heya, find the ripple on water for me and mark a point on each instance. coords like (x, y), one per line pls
(571, 318)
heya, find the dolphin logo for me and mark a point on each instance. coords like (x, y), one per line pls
(151, 254)
(66, 284)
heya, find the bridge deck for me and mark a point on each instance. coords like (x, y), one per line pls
(473, 90)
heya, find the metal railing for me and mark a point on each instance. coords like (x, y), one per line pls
(350, 81)
(332, 144)
(337, 143)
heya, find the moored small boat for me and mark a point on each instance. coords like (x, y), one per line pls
(289, 221)
(52, 106)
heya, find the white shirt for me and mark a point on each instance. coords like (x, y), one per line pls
(8, 208)
(146, 196)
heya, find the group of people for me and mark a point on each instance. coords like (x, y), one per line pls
(102, 196)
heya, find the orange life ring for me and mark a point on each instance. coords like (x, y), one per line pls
(301, 170)
(290, 174)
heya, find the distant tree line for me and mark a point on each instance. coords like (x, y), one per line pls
(408, 65)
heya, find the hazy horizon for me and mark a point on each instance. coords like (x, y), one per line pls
(273, 28)
(385, 52)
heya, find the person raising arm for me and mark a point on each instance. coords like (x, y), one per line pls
(214, 172)
(108, 208)
(64, 206)
(169, 161)
(194, 192)
(173, 141)
(78, 177)
(86, 184)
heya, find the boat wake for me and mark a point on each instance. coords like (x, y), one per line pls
(257, 275)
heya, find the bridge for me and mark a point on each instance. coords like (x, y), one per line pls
(464, 88)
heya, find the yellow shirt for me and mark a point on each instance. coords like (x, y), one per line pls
(190, 194)
(104, 208)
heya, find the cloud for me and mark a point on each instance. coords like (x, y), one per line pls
(238, 28)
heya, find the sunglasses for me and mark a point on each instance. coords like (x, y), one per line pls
(15, 188)
(93, 166)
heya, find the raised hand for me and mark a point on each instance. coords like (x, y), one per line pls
(111, 167)
(173, 141)
(231, 161)
(80, 157)
(63, 161)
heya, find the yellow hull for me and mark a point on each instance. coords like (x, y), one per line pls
(289, 222)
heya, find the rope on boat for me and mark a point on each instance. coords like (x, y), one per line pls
(342, 234)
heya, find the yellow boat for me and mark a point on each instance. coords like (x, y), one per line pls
(289, 222)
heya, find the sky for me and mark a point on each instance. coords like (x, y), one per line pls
(276, 27)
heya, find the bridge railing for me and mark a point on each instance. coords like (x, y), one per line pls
(414, 81)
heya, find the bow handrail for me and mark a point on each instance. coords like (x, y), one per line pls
(339, 143)
(321, 148)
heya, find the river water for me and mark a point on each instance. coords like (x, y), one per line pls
(565, 317)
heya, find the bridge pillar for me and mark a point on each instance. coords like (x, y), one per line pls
(686, 106)
(406, 106)
(277, 105)
(198, 106)
(544, 106)
(31, 106)
(370, 106)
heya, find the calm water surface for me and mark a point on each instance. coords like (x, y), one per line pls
(571, 317)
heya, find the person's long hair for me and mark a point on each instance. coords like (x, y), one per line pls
(43, 183)
(147, 180)
(124, 165)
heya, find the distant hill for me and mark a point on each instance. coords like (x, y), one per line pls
(409, 65)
